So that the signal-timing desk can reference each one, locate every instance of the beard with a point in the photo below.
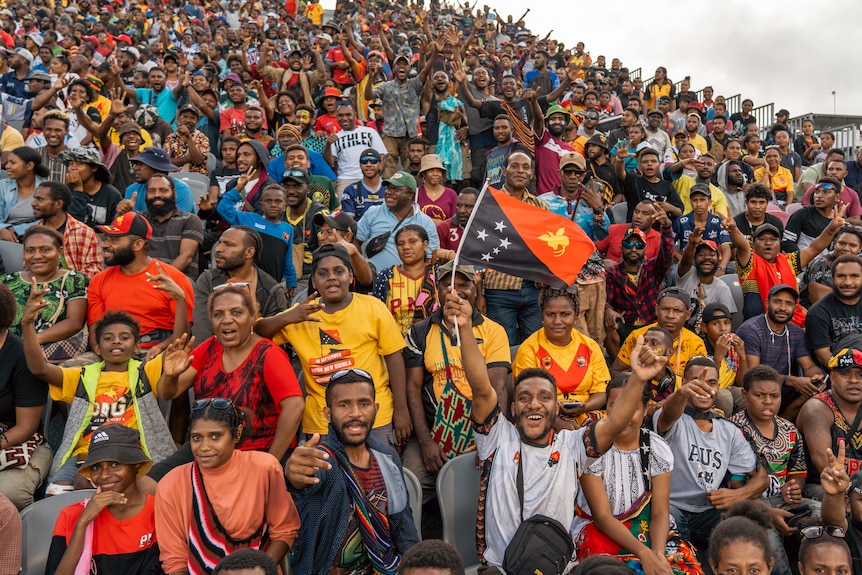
(339, 427)
(556, 130)
(162, 209)
(230, 264)
(122, 257)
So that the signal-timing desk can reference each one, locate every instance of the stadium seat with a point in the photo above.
(37, 522)
(619, 212)
(414, 490)
(732, 281)
(199, 184)
(458, 494)
(793, 208)
(212, 163)
(778, 213)
(12, 254)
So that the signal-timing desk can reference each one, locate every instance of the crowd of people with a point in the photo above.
(238, 312)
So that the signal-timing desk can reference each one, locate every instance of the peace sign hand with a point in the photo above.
(834, 478)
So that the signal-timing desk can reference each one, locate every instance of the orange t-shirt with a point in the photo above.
(154, 309)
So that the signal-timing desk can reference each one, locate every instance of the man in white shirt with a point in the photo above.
(346, 146)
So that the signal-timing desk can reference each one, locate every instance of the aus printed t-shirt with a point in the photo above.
(112, 400)
(579, 368)
(359, 336)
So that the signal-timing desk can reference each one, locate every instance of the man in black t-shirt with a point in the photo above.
(839, 313)
(757, 198)
(648, 185)
(809, 222)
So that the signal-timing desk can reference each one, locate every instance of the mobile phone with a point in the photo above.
(799, 513)
(573, 404)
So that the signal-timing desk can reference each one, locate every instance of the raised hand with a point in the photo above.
(35, 302)
(124, 205)
(305, 310)
(245, 178)
(646, 364)
(177, 357)
(118, 102)
(99, 501)
(696, 236)
(834, 478)
(305, 461)
(838, 221)
(457, 309)
(165, 283)
(205, 203)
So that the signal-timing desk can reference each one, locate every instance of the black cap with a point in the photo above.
(763, 228)
(296, 175)
(714, 311)
(783, 287)
(338, 220)
(116, 442)
(782, 112)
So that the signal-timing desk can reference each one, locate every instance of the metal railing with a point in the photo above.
(846, 138)
(636, 73)
(765, 116)
(733, 104)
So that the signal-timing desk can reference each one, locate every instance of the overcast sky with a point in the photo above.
(791, 52)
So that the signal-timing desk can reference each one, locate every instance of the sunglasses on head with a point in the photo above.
(216, 402)
(294, 173)
(825, 187)
(369, 161)
(231, 284)
(628, 244)
(351, 371)
(817, 531)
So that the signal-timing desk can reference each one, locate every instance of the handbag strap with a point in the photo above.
(60, 306)
(644, 447)
(520, 481)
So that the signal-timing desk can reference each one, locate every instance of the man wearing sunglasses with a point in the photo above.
(809, 222)
(836, 169)
(368, 191)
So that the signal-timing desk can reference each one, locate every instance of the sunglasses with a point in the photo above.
(369, 161)
(628, 245)
(817, 531)
(825, 187)
(591, 117)
(294, 173)
(570, 171)
(352, 371)
(217, 403)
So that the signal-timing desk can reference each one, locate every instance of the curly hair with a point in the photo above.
(247, 559)
(8, 307)
(432, 554)
(546, 294)
(233, 417)
(747, 521)
(114, 317)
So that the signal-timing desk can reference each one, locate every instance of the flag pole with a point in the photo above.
(458, 251)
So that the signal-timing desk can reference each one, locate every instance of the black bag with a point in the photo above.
(376, 244)
(540, 546)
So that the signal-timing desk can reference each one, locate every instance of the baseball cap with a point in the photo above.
(468, 272)
(37, 38)
(763, 228)
(39, 75)
(663, 99)
(401, 179)
(635, 232)
(232, 77)
(708, 243)
(325, 36)
(296, 175)
(369, 153)
(573, 159)
(675, 292)
(680, 133)
(189, 108)
(336, 250)
(128, 224)
(598, 139)
(338, 220)
(702, 189)
(847, 358)
(116, 442)
(654, 112)
(401, 57)
(24, 53)
(715, 310)
(783, 287)
(782, 112)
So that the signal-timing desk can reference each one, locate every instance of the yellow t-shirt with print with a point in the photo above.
(401, 297)
(314, 12)
(493, 343)
(111, 402)
(359, 336)
(699, 143)
(579, 368)
(685, 347)
(683, 187)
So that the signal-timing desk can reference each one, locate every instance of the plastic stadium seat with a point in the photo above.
(12, 254)
(458, 494)
(199, 184)
(37, 521)
(778, 213)
(793, 208)
(619, 212)
(732, 281)
(414, 491)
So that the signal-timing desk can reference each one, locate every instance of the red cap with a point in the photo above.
(708, 243)
(129, 224)
(635, 232)
(123, 38)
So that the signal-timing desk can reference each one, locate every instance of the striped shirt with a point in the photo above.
(58, 168)
(169, 234)
(498, 280)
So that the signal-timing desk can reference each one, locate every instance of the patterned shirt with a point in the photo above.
(637, 303)
(81, 249)
(400, 107)
(177, 147)
(783, 456)
(819, 271)
(497, 280)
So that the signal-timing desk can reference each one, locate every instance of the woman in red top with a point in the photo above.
(436, 200)
(237, 363)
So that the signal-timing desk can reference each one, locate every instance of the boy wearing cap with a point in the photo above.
(114, 530)
(833, 418)
(188, 147)
(707, 225)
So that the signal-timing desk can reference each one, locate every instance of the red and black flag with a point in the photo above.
(516, 238)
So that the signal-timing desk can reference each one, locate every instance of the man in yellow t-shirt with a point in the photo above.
(718, 201)
(342, 330)
(673, 310)
(692, 125)
(439, 396)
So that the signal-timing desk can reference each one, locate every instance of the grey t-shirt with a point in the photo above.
(701, 460)
(716, 292)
